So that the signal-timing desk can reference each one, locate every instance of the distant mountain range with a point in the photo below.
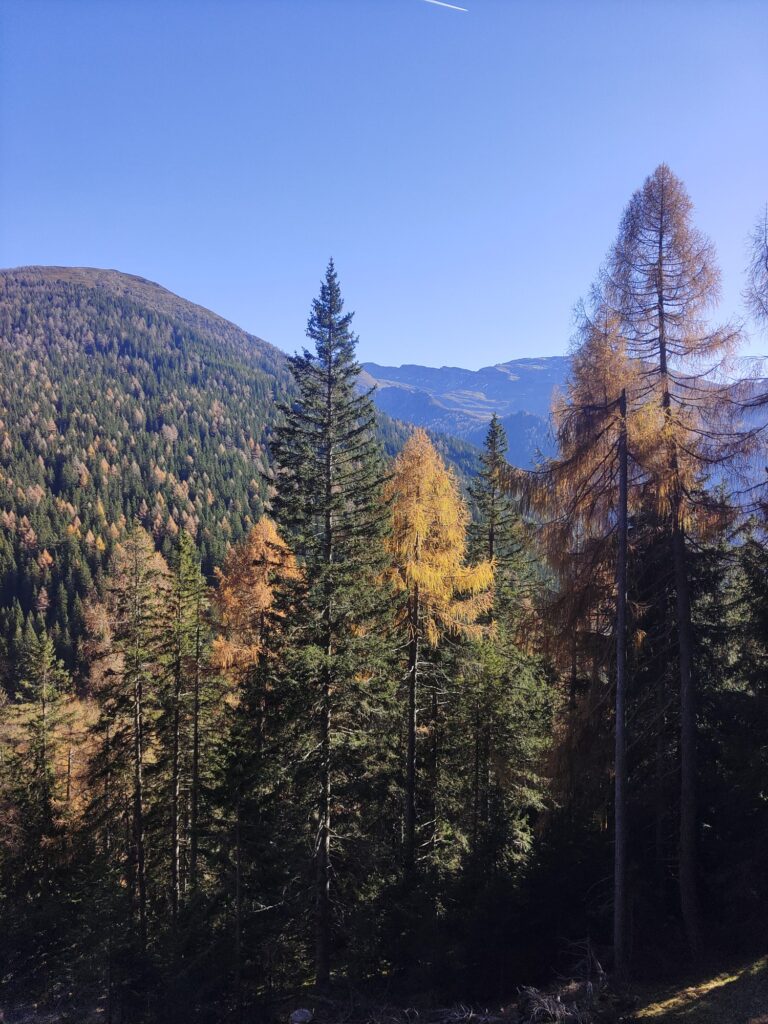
(460, 402)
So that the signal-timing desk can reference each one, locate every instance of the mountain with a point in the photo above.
(460, 402)
(119, 399)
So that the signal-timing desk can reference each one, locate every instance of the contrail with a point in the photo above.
(441, 3)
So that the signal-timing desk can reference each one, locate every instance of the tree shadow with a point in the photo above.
(733, 997)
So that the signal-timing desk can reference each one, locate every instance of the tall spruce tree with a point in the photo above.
(127, 649)
(43, 686)
(186, 686)
(329, 506)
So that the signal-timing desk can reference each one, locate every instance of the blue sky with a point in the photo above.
(467, 171)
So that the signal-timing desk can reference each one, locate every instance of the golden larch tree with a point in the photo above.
(245, 598)
(442, 594)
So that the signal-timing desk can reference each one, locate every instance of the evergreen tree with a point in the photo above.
(497, 533)
(127, 651)
(43, 685)
(186, 690)
(329, 507)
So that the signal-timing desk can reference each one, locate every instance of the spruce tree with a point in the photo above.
(330, 509)
(497, 533)
(127, 654)
(179, 726)
(43, 685)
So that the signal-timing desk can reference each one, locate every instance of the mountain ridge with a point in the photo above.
(460, 402)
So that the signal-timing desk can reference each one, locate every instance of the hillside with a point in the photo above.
(120, 399)
(460, 402)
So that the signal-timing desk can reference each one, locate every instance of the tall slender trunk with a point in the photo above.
(175, 804)
(620, 943)
(138, 755)
(476, 780)
(194, 795)
(69, 773)
(44, 753)
(409, 839)
(660, 809)
(322, 937)
(688, 813)
(434, 763)
(175, 759)
(138, 806)
(323, 850)
(238, 908)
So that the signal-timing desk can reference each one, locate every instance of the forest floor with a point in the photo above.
(738, 995)
(735, 996)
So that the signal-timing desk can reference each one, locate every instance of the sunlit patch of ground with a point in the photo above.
(734, 997)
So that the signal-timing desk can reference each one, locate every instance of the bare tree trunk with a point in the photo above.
(434, 763)
(194, 795)
(660, 810)
(175, 805)
(323, 843)
(688, 825)
(476, 780)
(238, 911)
(138, 806)
(688, 811)
(409, 840)
(323, 924)
(69, 772)
(620, 943)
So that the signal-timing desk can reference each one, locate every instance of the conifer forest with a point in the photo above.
(306, 713)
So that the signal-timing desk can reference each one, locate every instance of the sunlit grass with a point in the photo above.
(733, 997)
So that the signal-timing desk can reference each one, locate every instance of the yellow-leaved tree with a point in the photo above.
(253, 587)
(442, 594)
(245, 598)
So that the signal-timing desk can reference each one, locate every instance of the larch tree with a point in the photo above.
(661, 281)
(248, 611)
(581, 499)
(329, 507)
(255, 588)
(441, 592)
(756, 298)
(756, 291)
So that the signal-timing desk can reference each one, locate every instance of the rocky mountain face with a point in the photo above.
(460, 402)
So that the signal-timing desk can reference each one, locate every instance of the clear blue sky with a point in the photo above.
(466, 171)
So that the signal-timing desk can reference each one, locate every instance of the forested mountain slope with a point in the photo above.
(118, 399)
